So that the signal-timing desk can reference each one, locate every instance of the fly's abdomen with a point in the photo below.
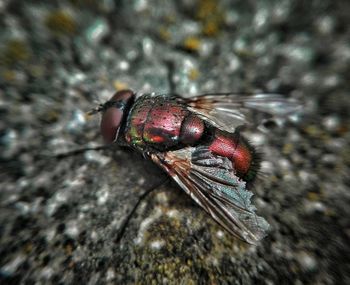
(237, 149)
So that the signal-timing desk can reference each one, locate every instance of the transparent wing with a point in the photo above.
(229, 110)
(211, 181)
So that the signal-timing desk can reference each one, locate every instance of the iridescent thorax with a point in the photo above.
(155, 122)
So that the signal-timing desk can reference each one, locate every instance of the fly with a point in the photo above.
(197, 142)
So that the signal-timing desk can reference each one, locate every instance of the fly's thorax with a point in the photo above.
(164, 122)
(192, 129)
(136, 120)
(155, 122)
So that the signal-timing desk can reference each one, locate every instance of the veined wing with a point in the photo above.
(211, 181)
(228, 110)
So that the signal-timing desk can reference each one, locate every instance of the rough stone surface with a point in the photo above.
(60, 217)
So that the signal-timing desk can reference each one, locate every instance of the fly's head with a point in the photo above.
(114, 112)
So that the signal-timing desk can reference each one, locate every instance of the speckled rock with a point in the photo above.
(71, 218)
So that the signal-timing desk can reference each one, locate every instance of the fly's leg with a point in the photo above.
(127, 219)
(78, 151)
(170, 76)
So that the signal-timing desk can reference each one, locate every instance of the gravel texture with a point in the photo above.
(63, 219)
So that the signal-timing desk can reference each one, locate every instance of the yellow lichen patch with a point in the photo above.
(164, 33)
(9, 75)
(273, 178)
(68, 249)
(330, 213)
(118, 85)
(343, 129)
(210, 28)
(89, 115)
(206, 8)
(51, 116)
(193, 74)
(14, 52)
(313, 131)
(170, 18)
(37, 70)
(211, 16)
(192, 43)
(61, 23)
(312, 196)
(287, 148)
(28, 248)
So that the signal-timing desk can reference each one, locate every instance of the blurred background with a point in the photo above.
(61, 216)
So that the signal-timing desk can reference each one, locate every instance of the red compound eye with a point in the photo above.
(110, 124)
(113, 114)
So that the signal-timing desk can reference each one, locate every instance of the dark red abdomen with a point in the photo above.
(236, 148)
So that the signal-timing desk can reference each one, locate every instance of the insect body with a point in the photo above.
(197, 143)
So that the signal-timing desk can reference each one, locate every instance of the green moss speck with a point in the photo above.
(60, 22)
(14, 52)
